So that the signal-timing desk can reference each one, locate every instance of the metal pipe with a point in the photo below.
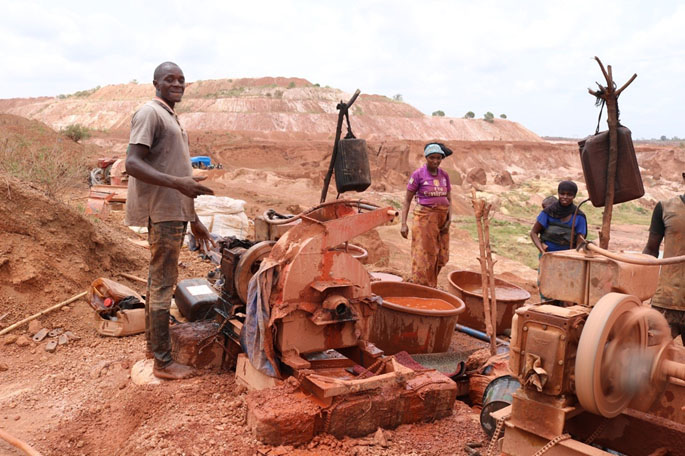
(626, 259)
(20, 444)
(356, 203)
(478, 334)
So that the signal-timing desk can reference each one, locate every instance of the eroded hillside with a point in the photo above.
(264, 108)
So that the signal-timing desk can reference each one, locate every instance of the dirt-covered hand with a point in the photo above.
(202, 235)
(189, 186)
(404, 231)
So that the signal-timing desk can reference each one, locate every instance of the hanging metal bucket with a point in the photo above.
(496, 396)
(352, 172)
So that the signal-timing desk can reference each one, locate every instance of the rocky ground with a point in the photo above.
(80, 399)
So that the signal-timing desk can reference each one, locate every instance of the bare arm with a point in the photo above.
(404, 230)
(137, 167)
(656, 231)
(446, 226)
(535, 237)
(653, 243)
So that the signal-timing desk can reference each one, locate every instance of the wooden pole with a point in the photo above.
(132, 277)
(610, 95)
(342, 107)
(491, 275)
(43, 312)
(481, 210)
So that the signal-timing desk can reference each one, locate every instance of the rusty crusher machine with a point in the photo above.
(603, 373)
(317, 311)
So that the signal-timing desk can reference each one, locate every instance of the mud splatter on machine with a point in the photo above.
(602, 373)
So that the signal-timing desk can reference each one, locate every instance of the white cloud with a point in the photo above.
(531, 59)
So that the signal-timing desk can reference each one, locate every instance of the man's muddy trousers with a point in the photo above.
(165, 239)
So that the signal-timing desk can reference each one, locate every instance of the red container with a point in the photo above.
(468, 286)
(397, 328)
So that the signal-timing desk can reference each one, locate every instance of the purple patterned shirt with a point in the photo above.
(430, 190)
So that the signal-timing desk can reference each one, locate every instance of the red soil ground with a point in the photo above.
(80, 400)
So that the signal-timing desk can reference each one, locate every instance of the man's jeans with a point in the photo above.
(676, 320)
(165, 239)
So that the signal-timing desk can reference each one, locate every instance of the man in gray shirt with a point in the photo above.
(160, 196)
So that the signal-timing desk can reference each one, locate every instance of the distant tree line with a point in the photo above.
(488, 116)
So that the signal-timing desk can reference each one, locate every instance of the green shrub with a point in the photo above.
(45, 167)
(469, 115)
(502, 116)
(489, 117)
(234, 92)
(85, 93)
(438, 113)
(76, 132)
(291, 85)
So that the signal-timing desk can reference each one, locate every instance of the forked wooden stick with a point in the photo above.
(610, 95)
(481, 210)
(491, 275)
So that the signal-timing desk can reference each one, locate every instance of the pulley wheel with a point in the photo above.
(248, 265)
(614, 330)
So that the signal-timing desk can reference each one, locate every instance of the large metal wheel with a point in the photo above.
(614, 332)
(248, 265)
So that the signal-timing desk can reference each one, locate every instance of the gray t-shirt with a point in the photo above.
(155, 125)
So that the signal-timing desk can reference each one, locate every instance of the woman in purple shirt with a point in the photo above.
(430, 229)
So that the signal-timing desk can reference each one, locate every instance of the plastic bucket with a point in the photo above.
(496, 396)
(397, 327)
(467, 285)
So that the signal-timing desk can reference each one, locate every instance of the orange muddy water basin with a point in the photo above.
(468, 286)
(413, 318)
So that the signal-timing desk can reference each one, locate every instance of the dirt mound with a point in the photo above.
(33, 134)
(50, 251)
(267, 107)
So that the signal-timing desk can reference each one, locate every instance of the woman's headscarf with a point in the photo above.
(436, 148)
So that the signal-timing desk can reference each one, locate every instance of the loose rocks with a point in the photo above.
(23, 341)
(10, 339)
(35, 326)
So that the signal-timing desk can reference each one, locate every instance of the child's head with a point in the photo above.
(548, 201)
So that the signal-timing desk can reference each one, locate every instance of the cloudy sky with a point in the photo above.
(531, 60)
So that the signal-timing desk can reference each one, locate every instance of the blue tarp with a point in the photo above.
(202, 160)
(254, 333)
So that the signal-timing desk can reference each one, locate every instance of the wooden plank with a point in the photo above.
(119, 192)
